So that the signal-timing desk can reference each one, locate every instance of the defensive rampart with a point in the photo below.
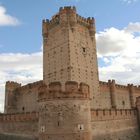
(72, 90)
(24, 98)
(24, 125)
(115, 125)
(118, 96)
(20, 99)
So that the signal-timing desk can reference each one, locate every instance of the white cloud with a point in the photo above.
(112, 41)
(23, 68)
(120, 51)
(129, 1)
(133, 27)
(6, 19)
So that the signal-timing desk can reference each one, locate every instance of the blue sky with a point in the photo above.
(117, 37)
(27, 36)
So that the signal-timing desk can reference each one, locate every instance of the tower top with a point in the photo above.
(67, 15)
(72, 8)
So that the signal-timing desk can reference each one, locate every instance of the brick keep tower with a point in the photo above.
(69, 51)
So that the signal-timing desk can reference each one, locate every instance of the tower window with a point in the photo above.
(84, 50)
(23, 108)
(80, 127)
(123, 103)
(58, 123)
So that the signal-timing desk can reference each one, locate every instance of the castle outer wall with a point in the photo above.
(119, 121)
(115, 125)
(24, 98)
(106, 125)
(118, 96)
(21, 99)
(19, 126)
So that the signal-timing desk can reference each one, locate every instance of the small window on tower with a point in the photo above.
(80, 127)
(84, 50)
(123, 103)
(23, 108)
(58, 123)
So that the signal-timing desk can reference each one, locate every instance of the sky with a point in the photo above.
(117, 38)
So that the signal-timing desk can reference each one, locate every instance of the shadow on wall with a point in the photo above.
(16, 137)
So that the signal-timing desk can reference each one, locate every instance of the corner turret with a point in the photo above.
(113, 93)
(64, 114)
(10, 99)
(131, 94)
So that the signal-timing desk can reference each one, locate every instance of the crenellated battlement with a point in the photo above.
(19, 117)
(72, 90)
(31, 85)
(118, 86)
(133, 87)
(68, 15)
(121, 86)
(103, 83)
(113, 114)
(71, 8)
(12, 84)
(110, 82)
(85, 21)
(137, 87)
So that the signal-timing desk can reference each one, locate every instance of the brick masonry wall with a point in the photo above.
(27, 96)
(115, 125)
(19, 124)
(24, 98)
(118, 96)
(106, 125)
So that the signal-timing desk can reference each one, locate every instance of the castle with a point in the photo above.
(70, 102)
